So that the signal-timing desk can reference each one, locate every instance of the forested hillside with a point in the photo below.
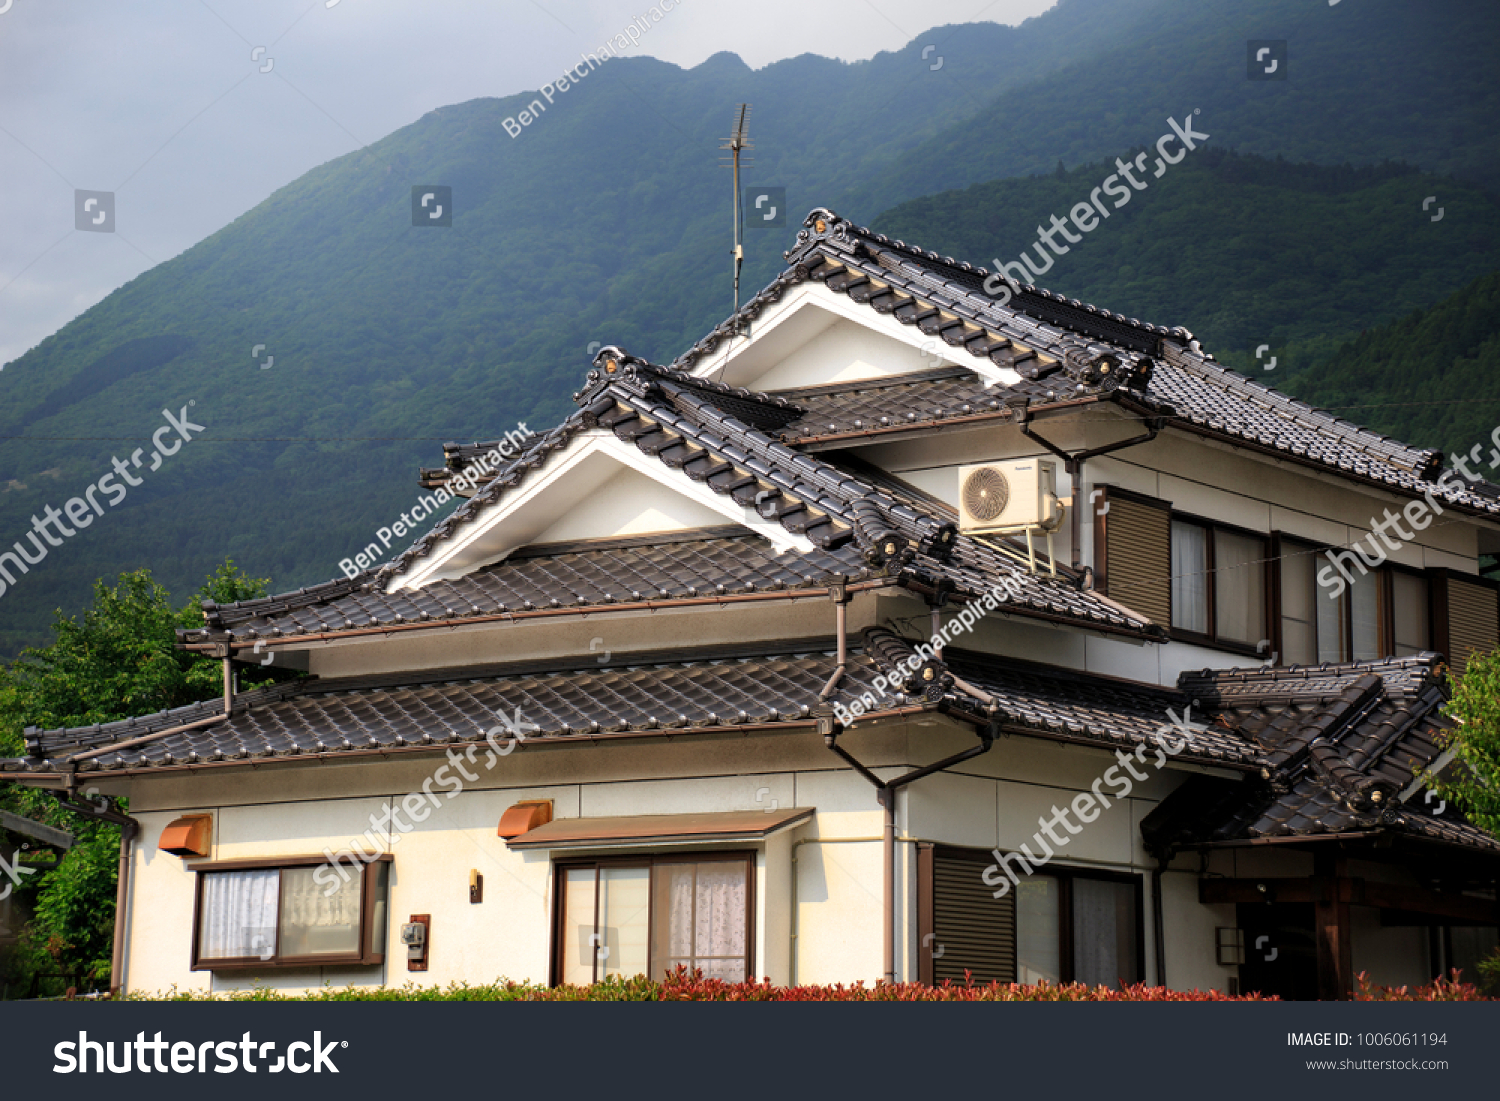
(1432, 376)
(1248, 252)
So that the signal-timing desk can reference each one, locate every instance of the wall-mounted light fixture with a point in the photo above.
(1230, 945)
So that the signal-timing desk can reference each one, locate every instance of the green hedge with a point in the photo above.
(685, 987)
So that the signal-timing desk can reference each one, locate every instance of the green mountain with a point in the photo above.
(1432, 376)
(1362, 83)
(605, 220)
(1243, 251)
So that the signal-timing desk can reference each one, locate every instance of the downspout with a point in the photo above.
(130, 829)
(840, 597)
(1073, 465)
(1158, 919)
(885, 794)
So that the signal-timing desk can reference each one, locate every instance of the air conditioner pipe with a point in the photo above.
(1073, 465)
(885, 795)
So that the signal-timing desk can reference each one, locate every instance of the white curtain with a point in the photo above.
(1364, 609)
(239, 914)
(315, 921)
(1240, 577)
(624, 920)
(700, 918)
(1038, 927)
(1189, 577)
(1331, 611)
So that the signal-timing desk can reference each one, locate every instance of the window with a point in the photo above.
(1385, 612)
(1064, 925)
(1077, 928)
(289, 912)
(1218, 583)
(647, 916)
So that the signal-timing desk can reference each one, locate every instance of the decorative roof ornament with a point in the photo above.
(821, 224)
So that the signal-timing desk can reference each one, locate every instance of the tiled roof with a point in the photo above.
(1065, 350)
(565, 700)
(634, 694)
(944, 394)
(692, 427)
(1046, 700)
(1335, 745)
(1340, 744)
(722, 561)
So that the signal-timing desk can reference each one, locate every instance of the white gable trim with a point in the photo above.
(932, 352)
(489, 526)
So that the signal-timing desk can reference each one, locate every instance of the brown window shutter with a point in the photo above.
(1136, 563)
(970, 929)
(1468, 619)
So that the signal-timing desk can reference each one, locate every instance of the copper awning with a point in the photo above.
(657, 829)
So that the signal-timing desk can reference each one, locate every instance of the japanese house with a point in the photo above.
(661, 691)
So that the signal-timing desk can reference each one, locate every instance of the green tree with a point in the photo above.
(117, 660)
(1475, 786)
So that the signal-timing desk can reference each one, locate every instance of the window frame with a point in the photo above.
(1383, 576)
(1270, 612)
(1065, 874)
(368, 955)
(561, 867)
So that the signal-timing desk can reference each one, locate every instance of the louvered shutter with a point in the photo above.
(970, 928)
(1136, 538)
(1473, 621)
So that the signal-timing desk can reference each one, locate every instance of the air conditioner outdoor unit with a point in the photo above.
(1013, 496)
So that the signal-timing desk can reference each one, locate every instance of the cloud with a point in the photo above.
(165, 103)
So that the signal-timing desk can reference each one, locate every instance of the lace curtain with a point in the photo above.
(700, 918)
(239, 914)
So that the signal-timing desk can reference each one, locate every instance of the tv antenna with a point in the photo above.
(736, 143)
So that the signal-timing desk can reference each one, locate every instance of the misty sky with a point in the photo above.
(164, 103)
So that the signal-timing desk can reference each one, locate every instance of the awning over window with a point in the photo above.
(654, 829)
